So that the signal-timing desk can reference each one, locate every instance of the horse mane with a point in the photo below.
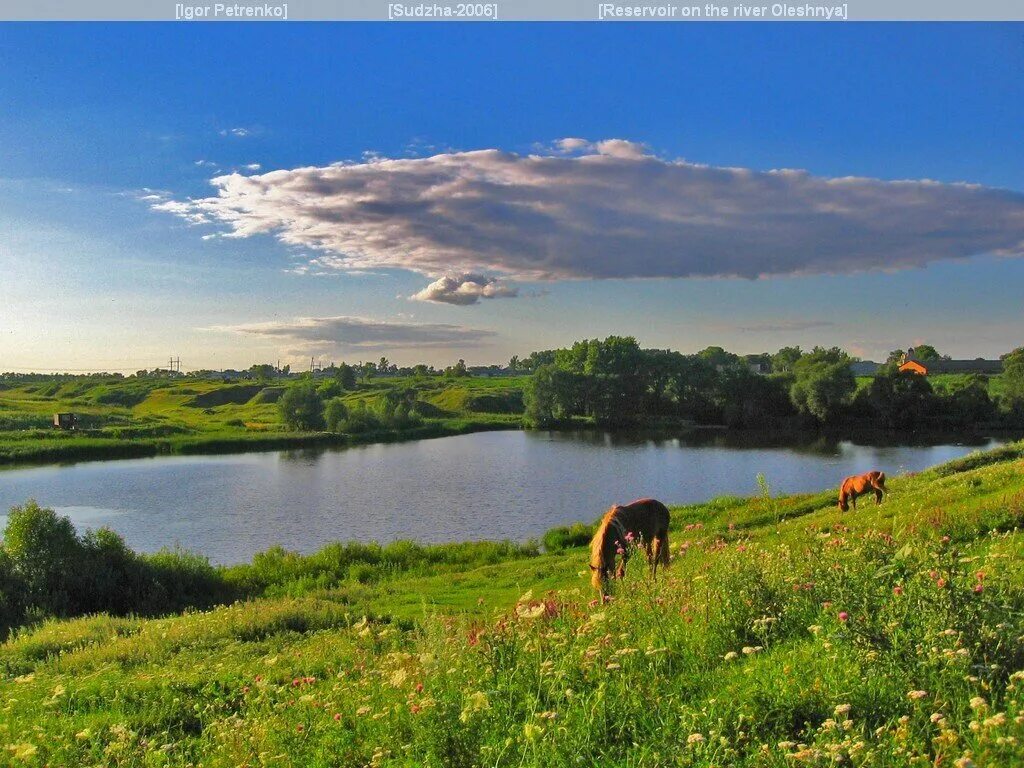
(597, 547)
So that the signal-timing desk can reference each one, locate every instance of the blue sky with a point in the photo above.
(110, 133)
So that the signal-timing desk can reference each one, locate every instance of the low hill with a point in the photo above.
(785, 633)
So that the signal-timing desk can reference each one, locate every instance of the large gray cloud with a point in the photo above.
(353, 334)
(605, 210)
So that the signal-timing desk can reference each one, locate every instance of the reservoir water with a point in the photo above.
(489, 485)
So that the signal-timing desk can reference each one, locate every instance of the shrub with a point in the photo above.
(335, 414)
(301, 407)
(45, 554)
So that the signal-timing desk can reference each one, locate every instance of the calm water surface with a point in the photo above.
(491, 485)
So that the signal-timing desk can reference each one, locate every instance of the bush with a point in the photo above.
(361, 419)
(47, 569)
(45, 556)
(301, 407)
(335, 414)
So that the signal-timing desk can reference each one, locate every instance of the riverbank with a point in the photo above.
(86, 448)
(784, 632)
(131, 418)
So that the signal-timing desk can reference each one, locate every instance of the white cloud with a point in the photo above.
(353, 334)
(609, 210)
(238, 132)
(252, 167)
(463, 290)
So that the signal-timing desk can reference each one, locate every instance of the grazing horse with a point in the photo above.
(644, 522)
(858, 485)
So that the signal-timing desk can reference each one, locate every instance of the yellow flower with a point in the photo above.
(915, 695)
(695, 738)
(842, 709)
(532, 731)
(979, 703)
(475, 702)
(23, 751)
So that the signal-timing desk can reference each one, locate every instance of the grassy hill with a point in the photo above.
(145, 417)
(785, 633)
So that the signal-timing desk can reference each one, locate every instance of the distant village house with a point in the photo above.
(933, 367)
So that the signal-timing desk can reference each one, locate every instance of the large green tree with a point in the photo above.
(301, 407)
(823, 383)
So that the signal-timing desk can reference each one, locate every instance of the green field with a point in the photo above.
(784, 633)
(145, 417)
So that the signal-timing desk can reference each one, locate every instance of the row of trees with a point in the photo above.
(308, 407)
(615, 382)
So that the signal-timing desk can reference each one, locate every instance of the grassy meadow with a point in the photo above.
(146, 417)
(785, 633)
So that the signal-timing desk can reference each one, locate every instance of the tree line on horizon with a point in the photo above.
(615, 382)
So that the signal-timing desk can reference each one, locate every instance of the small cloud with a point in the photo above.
(572, 145)
(345, 333)
(463, 290)
(252, 167)
(238, 132)
(205, 164)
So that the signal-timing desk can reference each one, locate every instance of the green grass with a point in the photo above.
(147, 417)
(785, 633)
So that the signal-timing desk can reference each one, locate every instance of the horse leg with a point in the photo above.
(660, 555)
(878, 495)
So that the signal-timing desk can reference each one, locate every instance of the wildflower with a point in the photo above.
(897, 590)
(530, 611)
(844, 616)
(629, 536)
(362, 711)
(915, 695)
(842, 709)
(620, 551)
(532, 731)
(731, 655)
(940, 583)
(475, 702)
(814, 629)
(23, 751)
(695, 738)
(337, 717)
(979, 588)
(937, 717)
(300, 728)
(979, 703)
(964, 762)
(613, 665)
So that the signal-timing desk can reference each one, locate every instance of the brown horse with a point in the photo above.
(643, 522)
(858, 485)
